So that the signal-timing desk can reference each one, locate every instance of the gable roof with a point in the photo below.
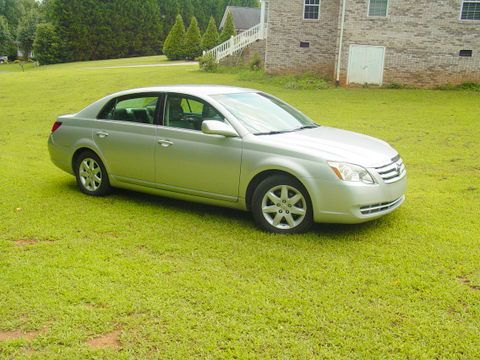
(243, 17)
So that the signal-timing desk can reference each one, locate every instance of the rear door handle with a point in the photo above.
(102, 134)
(165, 143)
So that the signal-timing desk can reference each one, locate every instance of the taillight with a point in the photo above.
(56, 125)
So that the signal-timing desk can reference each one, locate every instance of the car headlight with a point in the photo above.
(351, 173)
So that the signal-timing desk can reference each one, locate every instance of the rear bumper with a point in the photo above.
(60, 155)
(352, 203)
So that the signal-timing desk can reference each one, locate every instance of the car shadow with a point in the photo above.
(330, 231)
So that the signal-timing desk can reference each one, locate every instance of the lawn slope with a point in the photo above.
(134, 276)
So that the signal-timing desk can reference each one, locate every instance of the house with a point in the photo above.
(415, 42)
(244, 18)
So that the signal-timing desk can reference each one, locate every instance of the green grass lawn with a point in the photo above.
(12, 67)
(134, 276)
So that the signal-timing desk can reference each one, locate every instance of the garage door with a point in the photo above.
(365, 64)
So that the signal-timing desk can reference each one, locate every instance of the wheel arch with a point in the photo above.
(82, 148)
(258, 178)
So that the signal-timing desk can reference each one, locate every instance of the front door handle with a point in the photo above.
(102, 134)
(165, 143)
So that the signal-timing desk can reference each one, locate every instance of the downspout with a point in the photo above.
(340, 46)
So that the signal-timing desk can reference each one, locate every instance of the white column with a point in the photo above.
(262, 19)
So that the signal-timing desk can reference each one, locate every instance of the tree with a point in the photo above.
(173, 47)
(26, 32)
(211, 37)
(46, 45)
(193, 40)
(12, 11)
(94, 30)
(228, 29)
(7, 46)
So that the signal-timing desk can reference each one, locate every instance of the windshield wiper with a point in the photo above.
(274, 132)
(313, 126)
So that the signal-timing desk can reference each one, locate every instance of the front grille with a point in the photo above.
(376, 208)
(392, 172)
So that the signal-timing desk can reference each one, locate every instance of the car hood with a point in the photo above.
(337, 145)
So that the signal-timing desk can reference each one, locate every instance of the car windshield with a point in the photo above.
(262, 114)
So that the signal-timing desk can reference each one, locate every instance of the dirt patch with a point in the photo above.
(18, 335)
(468, 283)
(31, 241)
(106, 341)
(26, 242)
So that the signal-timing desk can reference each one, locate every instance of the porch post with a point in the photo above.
(262, 19)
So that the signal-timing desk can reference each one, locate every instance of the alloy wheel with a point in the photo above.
(284, 207)
(90, 174)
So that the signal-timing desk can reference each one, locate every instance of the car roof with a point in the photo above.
(195, 90)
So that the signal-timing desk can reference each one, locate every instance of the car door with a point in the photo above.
(190, 161)
(125, 134)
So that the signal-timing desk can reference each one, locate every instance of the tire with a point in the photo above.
(281, 204)
(93, 182)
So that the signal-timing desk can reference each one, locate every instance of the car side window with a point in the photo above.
(140, 109)
(188, 112)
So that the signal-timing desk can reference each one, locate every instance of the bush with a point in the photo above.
(468, 86)
(394, 85)
(207, 63)
(471, 86)
(255, 62)
(193, 39)
(174, 46)
(46, 44)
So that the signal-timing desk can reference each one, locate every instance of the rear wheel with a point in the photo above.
(281, 204)
(92, 177)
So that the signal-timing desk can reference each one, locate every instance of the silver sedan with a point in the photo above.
(231, 147)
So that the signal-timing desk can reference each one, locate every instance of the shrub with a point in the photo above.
(174, 46)
(228, 29)
(255, 62)
(211, 37)
(207, 63)
(46, 45)
(394, 85)
(471, 86)
(193, 39)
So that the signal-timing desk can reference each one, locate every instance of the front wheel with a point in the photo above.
(92, 177)
(281, 204)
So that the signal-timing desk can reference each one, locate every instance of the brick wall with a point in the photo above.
(422, 39)
(286, 29)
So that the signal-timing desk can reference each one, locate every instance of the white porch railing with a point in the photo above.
(239, 42)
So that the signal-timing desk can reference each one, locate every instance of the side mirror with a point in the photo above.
(215, 127)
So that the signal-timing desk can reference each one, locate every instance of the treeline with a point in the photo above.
(78, 30)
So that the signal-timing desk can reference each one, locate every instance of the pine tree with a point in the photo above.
(173, 47)
(211, 37)
(228, 29)
(193, 39)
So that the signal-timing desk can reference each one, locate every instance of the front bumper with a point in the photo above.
(351, 203)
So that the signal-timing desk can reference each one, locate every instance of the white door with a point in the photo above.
(365, 64)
